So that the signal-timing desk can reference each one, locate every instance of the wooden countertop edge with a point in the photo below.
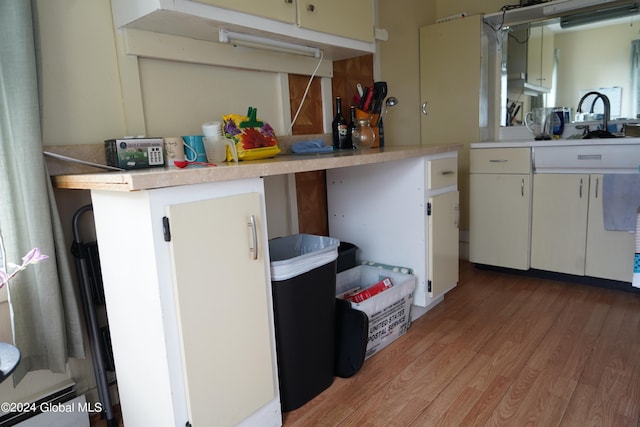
(281, 164)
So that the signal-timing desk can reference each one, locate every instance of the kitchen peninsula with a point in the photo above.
(186, 271)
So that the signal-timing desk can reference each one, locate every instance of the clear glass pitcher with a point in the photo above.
(539, 121)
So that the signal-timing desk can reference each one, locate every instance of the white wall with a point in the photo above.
(599, 57)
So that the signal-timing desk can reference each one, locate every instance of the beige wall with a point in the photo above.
(80, 88)
(599, 57)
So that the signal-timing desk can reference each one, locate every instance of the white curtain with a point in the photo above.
(45, 317)
(635, 78)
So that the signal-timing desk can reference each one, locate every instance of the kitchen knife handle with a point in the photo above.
(364, 97)
(367, 101)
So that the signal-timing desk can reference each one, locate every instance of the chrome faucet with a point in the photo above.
(604, 132)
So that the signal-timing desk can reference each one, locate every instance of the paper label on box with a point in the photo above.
(387, 324)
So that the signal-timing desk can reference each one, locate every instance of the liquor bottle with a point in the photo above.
(339, 127)
(352, 125)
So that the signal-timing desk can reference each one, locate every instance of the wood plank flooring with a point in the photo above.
(501, 350)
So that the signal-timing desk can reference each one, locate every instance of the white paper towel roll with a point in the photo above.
(212, 129)
(636, 260)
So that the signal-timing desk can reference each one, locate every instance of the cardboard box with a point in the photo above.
(388, 311)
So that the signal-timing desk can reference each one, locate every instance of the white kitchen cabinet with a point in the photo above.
(218, 268)
(281, 10)
(530, 58)
(568, 229)
(187, 289)
(559, 222)
(451, 50)
(444, 253)
(540, 57)
(384, 210)
(500, 207)
(353, 19)
(327, 16)
(328, 25)
(609, 253)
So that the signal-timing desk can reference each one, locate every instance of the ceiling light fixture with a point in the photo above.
(256, 42)
(598, 15)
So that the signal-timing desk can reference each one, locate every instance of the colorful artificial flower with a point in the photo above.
(34, 256)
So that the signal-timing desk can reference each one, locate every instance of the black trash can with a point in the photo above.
(303, 274)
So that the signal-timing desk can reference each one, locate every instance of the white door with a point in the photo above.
(609, 253)
(452, 50)
(443, 243)
(499, 220)
(223, 307)
(559, 222)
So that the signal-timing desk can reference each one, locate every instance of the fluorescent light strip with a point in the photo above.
(247, 40)
(561, 6)
(597, 16)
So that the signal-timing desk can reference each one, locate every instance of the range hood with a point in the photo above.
(549, 10)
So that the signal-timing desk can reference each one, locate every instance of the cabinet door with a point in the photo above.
(223, 307)
(559, 223)
(451, 50)
(443, 243)
(352, 19)
(540, 57)
(609, 253)
(281, 10)
(499, 221)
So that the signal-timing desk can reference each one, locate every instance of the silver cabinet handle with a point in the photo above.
(580, 192)
(447, 173)
(498, 161)
(424, 108)
(254, 237)
(597, 184)
(288, 1)
(522, 187)
(589, 156)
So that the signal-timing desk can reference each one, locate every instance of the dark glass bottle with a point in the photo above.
(339, 127)
(352, 125)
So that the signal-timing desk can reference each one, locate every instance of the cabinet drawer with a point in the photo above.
(501, 160)
(442, 173)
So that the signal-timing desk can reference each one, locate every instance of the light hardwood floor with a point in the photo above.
(503, 350)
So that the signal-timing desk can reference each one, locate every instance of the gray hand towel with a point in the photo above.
(620, 201)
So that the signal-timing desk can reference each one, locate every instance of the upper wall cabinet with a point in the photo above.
(328, 25)
(530, 59)
(281, 10)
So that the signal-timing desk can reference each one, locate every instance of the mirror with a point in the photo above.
(553, 64)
